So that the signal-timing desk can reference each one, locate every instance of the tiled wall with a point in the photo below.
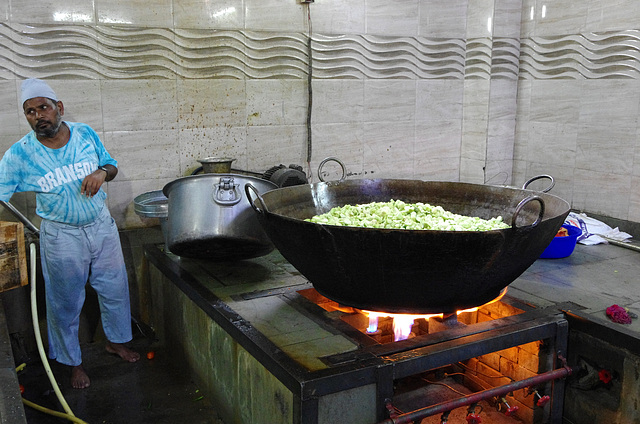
(413, 89)
(166, 83)
(578, 102)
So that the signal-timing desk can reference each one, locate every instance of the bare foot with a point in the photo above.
(122, 351)
(79, 378)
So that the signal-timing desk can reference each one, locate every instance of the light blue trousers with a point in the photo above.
(70, 256)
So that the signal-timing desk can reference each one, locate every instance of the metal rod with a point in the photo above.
(624, 244)
(419, 414)
(20, 216)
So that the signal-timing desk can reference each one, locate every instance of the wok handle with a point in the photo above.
(324, 161)
(539, 177)
(248, 187)
(521, 205)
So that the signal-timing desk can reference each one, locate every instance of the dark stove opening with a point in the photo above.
(444, 385)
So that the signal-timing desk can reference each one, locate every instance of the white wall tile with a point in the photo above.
(10, 109)
(338, 101)
(555, 101)
(474, 139)
(81, 100)
(528, 16)
(634, 200)
(386, 146)
(479, 22)
(472, 170)
(389, 100)
(221, 141)
(507, 18)
(438, 139)
(338, 17)
(437, 169)
(343, 141)
(559, 17)
(206, 14)
(272, 145)
(211, 103)
(552, 143)
(636, 155)
(437, 150)
(500, 140)
(142, 13)
(607, 149)
(274, 15)
(443, 18)
(276, 102)
(502, 100)
(439, 100)
(601, 193)
(53, 12)
(139, 105)
(605, 101)
(144, 155)
(392, 18)
(612, 15)
(475, 95)
(499, 172)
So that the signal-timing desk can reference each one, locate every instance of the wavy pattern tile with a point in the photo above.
(387, 57)
(584, 56)
(75, 51)
(505, 58)
(115, 52)
(478, 59)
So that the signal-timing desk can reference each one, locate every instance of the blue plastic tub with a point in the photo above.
(561, 247)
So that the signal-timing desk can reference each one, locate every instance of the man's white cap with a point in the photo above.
(35, 87)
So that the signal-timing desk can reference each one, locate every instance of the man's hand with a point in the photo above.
(92, 183)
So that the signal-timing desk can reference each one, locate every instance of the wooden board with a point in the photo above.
(13, 260)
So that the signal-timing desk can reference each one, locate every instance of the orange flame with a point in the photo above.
(402, 322)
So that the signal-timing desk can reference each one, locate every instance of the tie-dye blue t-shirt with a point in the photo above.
(55, 175)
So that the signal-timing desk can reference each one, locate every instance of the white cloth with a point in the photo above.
(35, 87)
(592, 229)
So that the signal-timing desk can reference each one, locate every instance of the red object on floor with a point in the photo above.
(604, 376)
(618, 314)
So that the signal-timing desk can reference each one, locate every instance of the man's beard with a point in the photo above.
(49, 131)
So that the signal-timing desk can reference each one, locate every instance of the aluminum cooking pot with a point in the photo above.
(209, 217)
(410, 271)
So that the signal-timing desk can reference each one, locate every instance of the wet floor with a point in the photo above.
(149, 391)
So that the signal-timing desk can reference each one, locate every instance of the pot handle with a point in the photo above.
(249, 187)
(521, 205)
(324, 161)
(539, 177)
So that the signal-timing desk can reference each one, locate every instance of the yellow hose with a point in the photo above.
(34, 315)
(52, 412)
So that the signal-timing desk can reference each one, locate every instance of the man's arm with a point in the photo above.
(92, 182)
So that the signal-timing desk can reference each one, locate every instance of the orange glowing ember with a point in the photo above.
(402, 322)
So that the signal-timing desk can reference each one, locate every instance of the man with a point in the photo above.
(65, 163)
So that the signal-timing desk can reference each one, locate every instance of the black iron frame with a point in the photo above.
(375, 363)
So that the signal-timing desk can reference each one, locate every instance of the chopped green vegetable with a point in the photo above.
(397, 214)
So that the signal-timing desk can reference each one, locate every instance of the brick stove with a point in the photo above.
(267, 348)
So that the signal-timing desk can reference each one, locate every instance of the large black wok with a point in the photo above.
(409, 271)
